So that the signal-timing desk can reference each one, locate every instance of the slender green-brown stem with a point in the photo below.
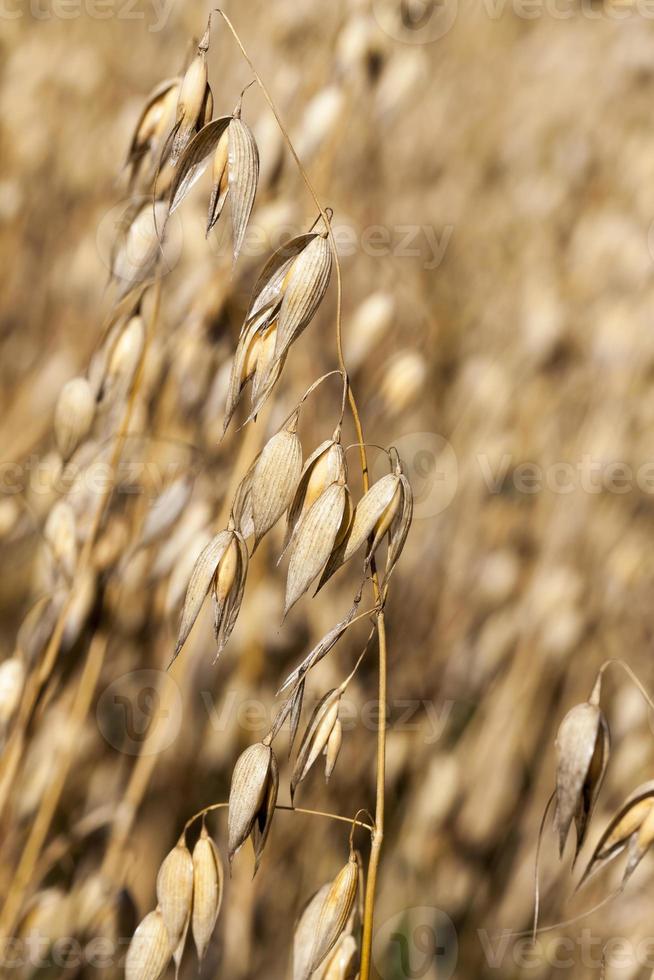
(378, 836)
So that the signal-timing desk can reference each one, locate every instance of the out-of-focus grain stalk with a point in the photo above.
(147, 759)
(61, 766)
(39, 677)
(378, 834)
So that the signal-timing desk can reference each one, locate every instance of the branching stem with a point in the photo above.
(378, 836)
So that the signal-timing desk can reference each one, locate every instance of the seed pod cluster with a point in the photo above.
(235, 172)
(189, 892)
(285, 298)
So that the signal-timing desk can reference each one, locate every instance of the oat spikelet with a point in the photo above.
(192, 98)
(207, 891)
(313, 542)
(399, 527)
(253, 361)
(305, 932)
(375, 511)
(252, 798)
(275, 478)
(138, 248)
(325, 465)
(334, 913)
(291, 286)
(60, 533)
(149, 951)
(343, 961)
(73, 415)
(304, 288)
(243, 178)
(202, 576)
(154, 124)
(316, 736)
(12, 680)
(333, 748)
(175, 891)
(165, 510)
(633, 827)
(228, 589)
(193, 162)
(221, 567)
(582, 747)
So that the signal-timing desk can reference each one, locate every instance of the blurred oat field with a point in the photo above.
(490, 171)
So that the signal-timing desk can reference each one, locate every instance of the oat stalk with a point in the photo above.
(378, 832)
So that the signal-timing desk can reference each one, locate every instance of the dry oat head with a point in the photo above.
(334, 914)
(582, 748)
(149, 951)
(254, 786)
(207, 891)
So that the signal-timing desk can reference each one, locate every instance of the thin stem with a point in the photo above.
(349, 677)
(378, 836)
(632, 676)
(290, 809)
(541, 830)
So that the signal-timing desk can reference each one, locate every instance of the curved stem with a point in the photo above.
(289, 809)
(378, 835)
(632, 676)
(541, 830)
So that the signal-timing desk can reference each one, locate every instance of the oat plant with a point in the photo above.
(175, 144)
(583, 748)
